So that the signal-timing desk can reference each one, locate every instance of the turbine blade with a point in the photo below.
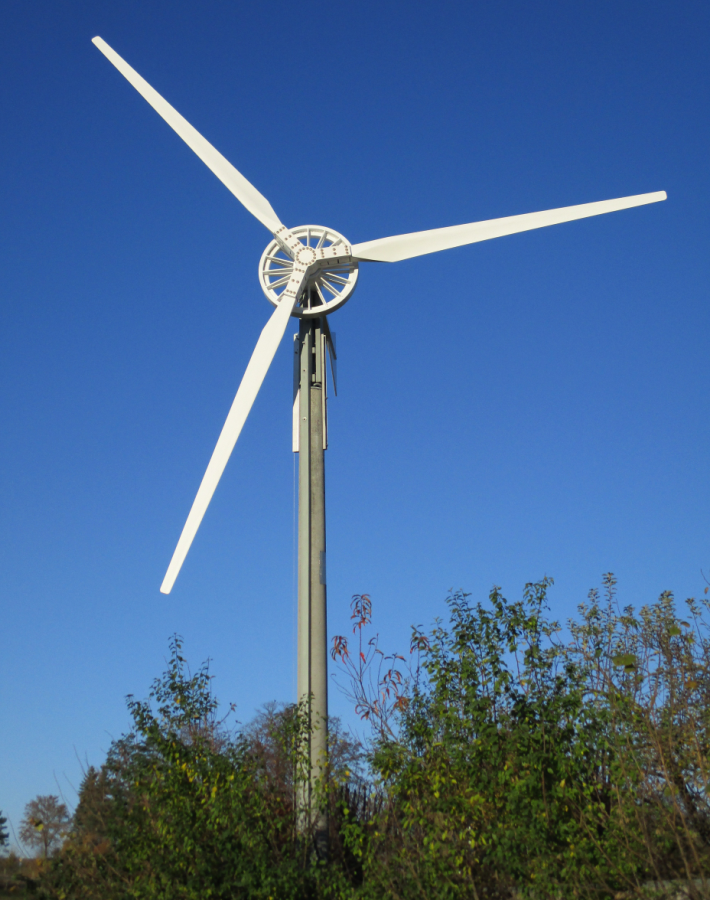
(405, 246)
(259, 363)
(243, 190)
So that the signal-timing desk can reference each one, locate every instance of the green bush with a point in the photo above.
(183, 808)
(526, 766)
(505, 760)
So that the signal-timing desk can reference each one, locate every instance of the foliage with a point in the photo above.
(20, 876)
(44, 824)
(522, 765)
(376, 682)
(649, 673)
(264, 735)
(505, 760)
(185, 808)
(475, 779)
(4, 835)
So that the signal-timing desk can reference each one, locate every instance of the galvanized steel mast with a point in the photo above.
(310, 440)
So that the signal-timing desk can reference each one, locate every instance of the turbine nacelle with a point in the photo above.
(322, 255)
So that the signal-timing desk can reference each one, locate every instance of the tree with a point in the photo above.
(186, 807)
(4, 836)
(512, 764)
(270, 736)
(45, 824)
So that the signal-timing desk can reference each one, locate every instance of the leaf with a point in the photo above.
(627, 660)
(673, 630)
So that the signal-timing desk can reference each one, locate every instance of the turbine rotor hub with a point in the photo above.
(325, 254)
(306, 256)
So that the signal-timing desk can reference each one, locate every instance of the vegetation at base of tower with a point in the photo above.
(525, 765)
(186, 806)
(506, 758)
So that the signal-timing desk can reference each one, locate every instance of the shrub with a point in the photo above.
(512, 763)
(184, 808)
(505, 760)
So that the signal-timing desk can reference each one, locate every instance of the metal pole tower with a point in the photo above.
(310, 440)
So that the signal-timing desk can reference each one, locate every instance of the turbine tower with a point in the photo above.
(308, 272)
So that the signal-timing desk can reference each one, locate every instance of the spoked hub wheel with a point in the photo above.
(327, 288)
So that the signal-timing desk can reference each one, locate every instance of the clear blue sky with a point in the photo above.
(533, 405)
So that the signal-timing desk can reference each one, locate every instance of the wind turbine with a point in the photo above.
(308, 272)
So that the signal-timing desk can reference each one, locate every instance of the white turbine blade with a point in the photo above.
(245, 192)
(405, 246)
(256, 371)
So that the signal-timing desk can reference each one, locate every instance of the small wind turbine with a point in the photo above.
(309, 272)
